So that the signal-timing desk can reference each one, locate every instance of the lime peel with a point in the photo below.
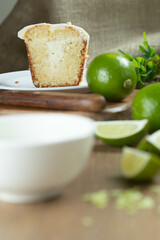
(146, 104)
(107, 73)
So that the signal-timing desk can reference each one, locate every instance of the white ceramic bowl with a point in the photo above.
(39, 153)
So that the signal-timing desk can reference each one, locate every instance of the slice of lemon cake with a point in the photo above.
(57, 53)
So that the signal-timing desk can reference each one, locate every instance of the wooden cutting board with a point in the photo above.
(61, 101)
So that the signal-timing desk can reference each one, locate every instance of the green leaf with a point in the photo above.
(151, 64)
(127, 55)
(141, 60)
(142, 49)
(135, 63)
(143, 68)
(157, 57)
(152, 52)
(145, 44)
(144, 36)
(147, 66)
(146, 74)
(121, 51)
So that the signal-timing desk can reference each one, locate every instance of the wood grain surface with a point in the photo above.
(54, 100)
(85, 104)
(61, 219)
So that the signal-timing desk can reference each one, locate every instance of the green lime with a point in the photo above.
(120, 133)
(146, 105)
(151, 143)
(111, 75)
(139, 165)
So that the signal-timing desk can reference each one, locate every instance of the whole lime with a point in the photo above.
(146, 105)
(111, 75)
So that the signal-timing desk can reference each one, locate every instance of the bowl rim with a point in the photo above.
(13, 143)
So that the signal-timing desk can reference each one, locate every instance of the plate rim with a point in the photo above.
(68, 88)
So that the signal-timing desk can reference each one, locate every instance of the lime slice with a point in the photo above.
(120, 133)
(139, 165)
(151, 143)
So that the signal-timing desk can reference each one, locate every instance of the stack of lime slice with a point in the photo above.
(120, 133)
(144, 162)
(137, 164)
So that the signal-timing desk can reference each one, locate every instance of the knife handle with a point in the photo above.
(55, 101)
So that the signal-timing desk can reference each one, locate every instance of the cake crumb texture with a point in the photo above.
(56, 56)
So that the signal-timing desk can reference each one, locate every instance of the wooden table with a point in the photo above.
(61, 219)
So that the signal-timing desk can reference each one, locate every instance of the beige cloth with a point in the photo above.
(112, 24)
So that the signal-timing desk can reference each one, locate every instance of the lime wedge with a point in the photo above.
(139, 165)
(151, 143)
(120, 133)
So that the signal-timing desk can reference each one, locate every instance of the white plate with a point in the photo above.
(22, 81)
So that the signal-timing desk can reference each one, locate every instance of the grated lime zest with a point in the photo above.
(146, 203)
(130, 200)
(99, 199)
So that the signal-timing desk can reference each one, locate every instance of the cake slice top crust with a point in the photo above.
(25, 32)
